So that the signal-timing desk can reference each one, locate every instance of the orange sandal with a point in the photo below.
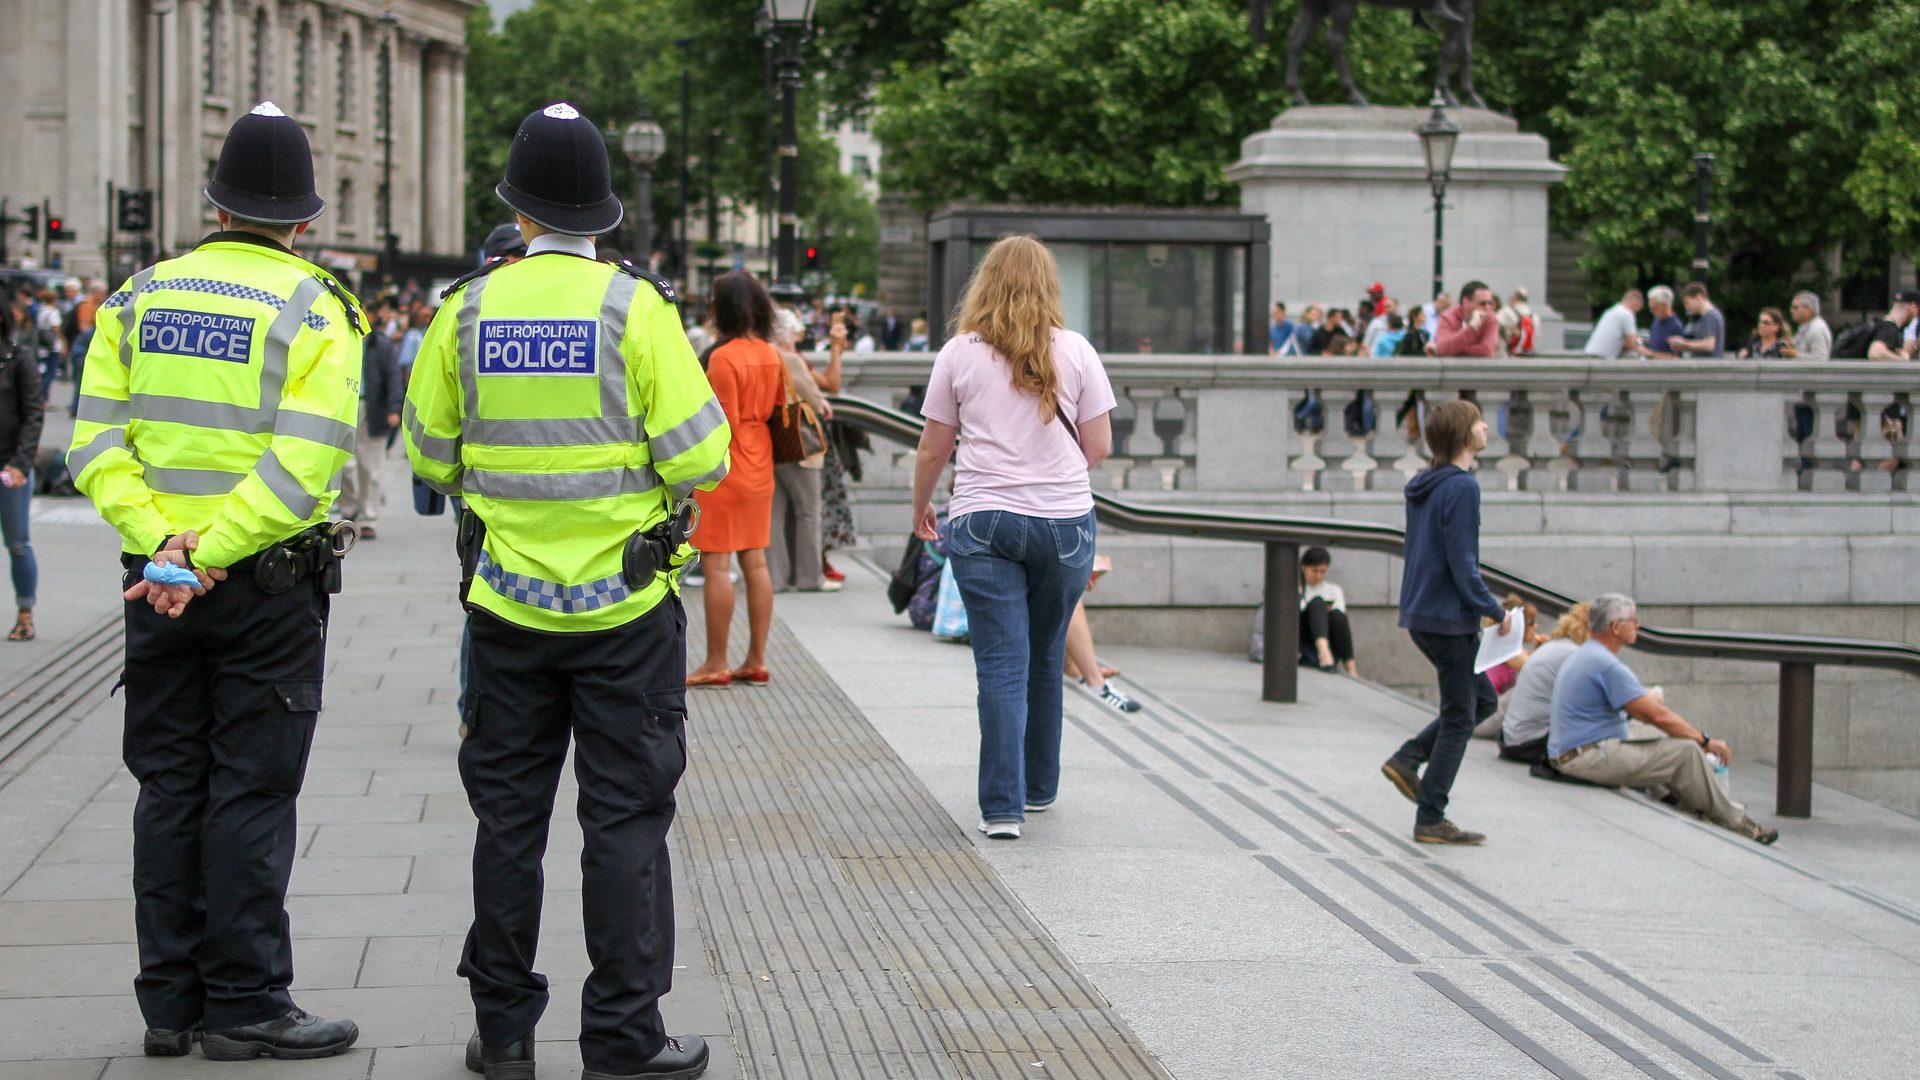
(716, 680)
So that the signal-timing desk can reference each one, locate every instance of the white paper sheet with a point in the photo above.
(1497, 649)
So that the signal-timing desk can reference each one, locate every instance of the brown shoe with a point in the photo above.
(1404, 776)
(1446, 832)
(1758, 833)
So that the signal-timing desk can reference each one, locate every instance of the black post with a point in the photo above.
(1439, 236)
(1280, 667)
(642, 215)
(389, 244)
(682, 263)
(113, 211)
(1793, 773)
(713, 199)
(1703, 188)
(786, 278)
(160, 137)
(6, 226)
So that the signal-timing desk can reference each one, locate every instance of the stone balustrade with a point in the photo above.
(1558, 424)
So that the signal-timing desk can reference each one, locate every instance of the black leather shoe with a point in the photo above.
(165, 1042)
(683, 1058)
(299, 1034)
(513, 1061)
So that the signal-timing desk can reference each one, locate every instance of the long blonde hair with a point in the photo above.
(1013, 304)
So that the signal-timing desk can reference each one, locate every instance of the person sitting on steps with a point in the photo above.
(1326, 638)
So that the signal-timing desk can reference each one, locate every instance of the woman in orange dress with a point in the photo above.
(737, 516)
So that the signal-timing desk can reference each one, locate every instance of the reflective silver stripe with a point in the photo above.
(451, 488)
(78, 460)
(280, 335)
(571, 431)
(129, 333)
(214, 415)
(444, 451)
(548, 487)
(613, 326)
(551, 595)
(466, 336)
(99, 410)
(191, 481)
(690, 432)
(285, 486)
(324, 430)
(684, 488)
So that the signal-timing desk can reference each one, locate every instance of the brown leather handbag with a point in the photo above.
(795, 430)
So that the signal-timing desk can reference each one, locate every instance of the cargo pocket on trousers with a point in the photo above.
(286, 736)
(665, 740)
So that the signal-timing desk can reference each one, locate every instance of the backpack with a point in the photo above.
(1852, 342)
(1523, 337)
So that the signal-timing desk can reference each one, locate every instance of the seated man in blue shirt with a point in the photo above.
(1592, 699)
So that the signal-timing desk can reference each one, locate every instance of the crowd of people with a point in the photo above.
(1380, 326)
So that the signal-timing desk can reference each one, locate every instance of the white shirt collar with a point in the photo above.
(561, 242)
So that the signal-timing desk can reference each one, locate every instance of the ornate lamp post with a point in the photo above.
(643, 140)
(389, 243)
(160, 9)
(1438, 137)
(788, 25)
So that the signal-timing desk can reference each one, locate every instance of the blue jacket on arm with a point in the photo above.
(1440, 589)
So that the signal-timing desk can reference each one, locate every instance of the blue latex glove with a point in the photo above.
(169, 574)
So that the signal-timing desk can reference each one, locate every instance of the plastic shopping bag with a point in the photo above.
(949, 614)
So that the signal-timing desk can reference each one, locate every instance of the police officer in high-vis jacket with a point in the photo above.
(218, 407)
(559, 397)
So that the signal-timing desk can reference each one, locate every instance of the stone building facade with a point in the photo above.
(140, 94)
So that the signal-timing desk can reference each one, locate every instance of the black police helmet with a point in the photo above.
(265, 171)
(503, 240)
(557, 173)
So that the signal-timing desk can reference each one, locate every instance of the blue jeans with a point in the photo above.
(1020, 578)
(14, 505)
(1466, 698)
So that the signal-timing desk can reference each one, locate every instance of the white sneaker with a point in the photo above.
(830, 585)
(1039, 808)
(1114, 699)
(1001, 830)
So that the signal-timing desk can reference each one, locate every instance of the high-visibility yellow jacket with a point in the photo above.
(559, 396)
(221, 394)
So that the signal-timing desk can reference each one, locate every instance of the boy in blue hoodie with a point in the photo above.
(1442, 601)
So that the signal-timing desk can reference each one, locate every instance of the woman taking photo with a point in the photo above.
(1770, 340)
(1029, 400)
(736, 516)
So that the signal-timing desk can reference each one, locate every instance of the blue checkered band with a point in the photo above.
(218, 288)
(565, 599)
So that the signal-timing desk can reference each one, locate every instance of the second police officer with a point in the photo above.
(559, 397)
(218, 406)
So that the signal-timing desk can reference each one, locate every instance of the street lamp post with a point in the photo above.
(789, 22)
(682, 265)
(644, 141)
(160, 9)
(1703, 188)
(389, 243)
(1438, 137)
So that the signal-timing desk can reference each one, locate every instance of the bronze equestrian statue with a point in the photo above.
(1453, 18)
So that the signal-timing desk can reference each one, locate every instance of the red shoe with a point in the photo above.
(716, 680)
(827, 571)
(751, 676)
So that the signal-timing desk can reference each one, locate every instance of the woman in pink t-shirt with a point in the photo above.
(1027, 402)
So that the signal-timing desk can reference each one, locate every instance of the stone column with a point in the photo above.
(457, 150)
(1737, 439)
(441, 176)
(1244, 439)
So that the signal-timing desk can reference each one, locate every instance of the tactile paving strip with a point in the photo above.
(854, 930)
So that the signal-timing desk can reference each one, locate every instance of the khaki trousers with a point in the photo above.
(360, 480)
(1678, 764)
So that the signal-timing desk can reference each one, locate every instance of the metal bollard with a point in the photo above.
(1280, 669)
(1793, 795)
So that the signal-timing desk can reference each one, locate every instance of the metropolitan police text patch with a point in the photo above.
(539, 346)
(196, 333)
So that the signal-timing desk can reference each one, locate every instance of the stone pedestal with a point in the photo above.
(1345, 190)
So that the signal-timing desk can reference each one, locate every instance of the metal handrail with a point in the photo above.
(1282, 537)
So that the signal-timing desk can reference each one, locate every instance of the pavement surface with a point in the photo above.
(1225, 891)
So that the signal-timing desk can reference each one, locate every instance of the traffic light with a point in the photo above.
(135, 211)
(57, 229)
(33, 222)
(813, 258)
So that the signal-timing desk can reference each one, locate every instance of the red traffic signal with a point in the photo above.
(812, 257)
(53, 225)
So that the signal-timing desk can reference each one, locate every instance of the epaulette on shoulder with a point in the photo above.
(347, 303)
(484, 269)
(661, 285)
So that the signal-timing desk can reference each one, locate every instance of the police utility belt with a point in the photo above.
(315, 553)
(647, 553)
